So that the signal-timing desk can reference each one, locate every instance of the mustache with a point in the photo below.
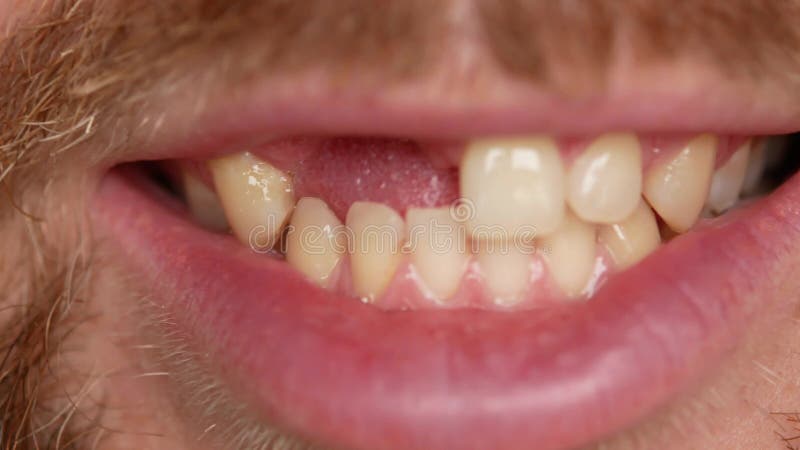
(66, 69)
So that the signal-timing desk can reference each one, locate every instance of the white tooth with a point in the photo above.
(203, 203)
(377, 232)
(438, 249)
(506, 271)
(256, 196)
(755, 168)
(677, 187)
(516, 184)
(728, 180)
(605, 182)
(570, 253)
(631, 240)
(316, 240)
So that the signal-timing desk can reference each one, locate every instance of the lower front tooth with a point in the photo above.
(377, 233)
(256, 196)
(203, 203)
(570, 254)
(631, 240)
(506, 271)
(438, 250)
(728, 180)
(316, 240)
(677, 187)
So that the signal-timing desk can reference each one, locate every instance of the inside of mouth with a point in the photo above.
(495, 223)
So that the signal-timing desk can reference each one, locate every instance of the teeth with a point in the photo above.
(605, 182)
(506, 271)
(377, 233)
(728, 180)
(438, 253)
(677, 187)
(515, 184)
(570, 254)
(203, 203)
(632, 239)
(755, 168)
(256, 196)
(316, 241)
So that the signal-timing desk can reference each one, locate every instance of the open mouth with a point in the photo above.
(507, 290)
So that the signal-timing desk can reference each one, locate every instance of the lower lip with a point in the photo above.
(344, 374)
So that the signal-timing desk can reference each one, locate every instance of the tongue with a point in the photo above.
(341, 171)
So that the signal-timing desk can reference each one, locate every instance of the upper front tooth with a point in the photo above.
(316, 240)
(377, 232)
(728, 180)
(203, 203)
(677, 187)
(517, 184)
(570, 254)
(438, 249)
(632, 239)
(605, 182)
(256, 196)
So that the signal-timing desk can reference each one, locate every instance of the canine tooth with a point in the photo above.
(570, 253)
(438, 249)
(506, 271)
(605, 181)
(377, 232)
(204, 203)
(256, 196)
(632, 239)
(316, 240)
(727, 182)
(514, 183)
(677, 187)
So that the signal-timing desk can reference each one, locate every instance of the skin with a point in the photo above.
(75, 328)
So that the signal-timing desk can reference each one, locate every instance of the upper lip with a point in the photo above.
(343, 373)
(244, 116)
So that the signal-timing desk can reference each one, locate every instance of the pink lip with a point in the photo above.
(349, 376)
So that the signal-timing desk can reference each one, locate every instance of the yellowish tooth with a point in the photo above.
(632, 239)
(605, 181)
(256, 196)
(677, 187)
(316, 240)
(570, 254)
(506, 271)
(726, 185)
(756, 165)
(438, 249)
(203, 203)
(516, 184)
(377, 232)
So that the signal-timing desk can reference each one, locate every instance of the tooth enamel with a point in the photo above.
(316, 241)
(570, 253)
(438, 250)
(728, 180)
(755, 168)
(631, 240)
(605, 182)
(514, 183)
(203, 203)
(256, 196)
(377, 232)
(506, 271)
(677, 187)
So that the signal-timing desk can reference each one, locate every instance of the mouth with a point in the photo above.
(396, 287)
